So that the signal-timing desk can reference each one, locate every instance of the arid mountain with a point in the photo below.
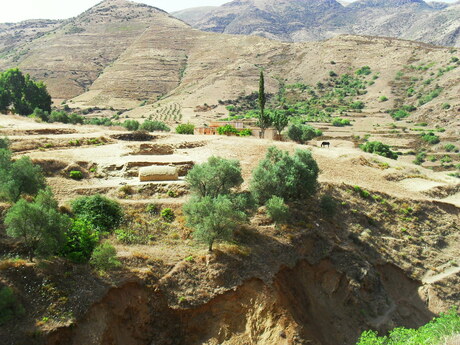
(193, 15)
(120, 54)
(307, 20)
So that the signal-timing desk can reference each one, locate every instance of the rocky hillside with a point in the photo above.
(308, 20)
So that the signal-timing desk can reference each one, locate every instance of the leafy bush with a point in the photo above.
(18, 177)
(420, 158)
(379, 148)
(9, 305)
(431, 138)
(102, 213)
(428, 98)
(185, 128)
(227, 130)
(338, 122)
(362, 192)
(245, 132)
(168, 215)
(399, 114)
(383, 98)
(39, 224)
(213, 219)
(303, 133)
(433, 333)
(358, 105)
(216, 176)
(288, 177)
(151, 126)
(131, 125)
(277, 209)
(450, 147)
(81, 240)
(365, 70)
(445, 106)
(328, 205)
(76, 175)
(104, 257)
(4, 143)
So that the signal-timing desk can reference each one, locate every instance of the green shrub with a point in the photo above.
(18, 177)
(216, 176)
(102, 213)
(338, 122)
(431, 138)
(383, 98)
(358, 105)
(450, 148)
(151, 126)
(227, 130)
(104, 257)
(428, 98)
(288, 177)
(39, 224)
(379, 148)
(76, 175)
(362, 192)
(399, 114)
(445, 106)
(245, 132)
(433, 333)
(185, 128)
(303, 133)
(420, 158)
(366, 70)
(277, 209)
(131, 125)
(213, 219)
(81, 240)
(328, 205)
(9, 305)
(168, 215)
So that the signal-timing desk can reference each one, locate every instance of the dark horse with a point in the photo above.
(325, 143)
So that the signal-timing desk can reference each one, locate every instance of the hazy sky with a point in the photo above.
(17, 10)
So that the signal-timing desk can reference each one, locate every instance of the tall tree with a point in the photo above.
(279, 120)
(22, 93)
(264, 120)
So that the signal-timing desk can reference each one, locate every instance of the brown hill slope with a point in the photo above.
(73, 55)
(317, 20)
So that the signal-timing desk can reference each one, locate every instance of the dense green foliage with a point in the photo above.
(22, 93)
(168, 215)
(9, 305)
(227, 130)
(185, 128)
(279, 120)
(433, 333)
(379, 148)
(277, 209)
(76, 175)
(288, 177)
(104, 257)
(131, 125)
(216, 176)
(338, 122)
(102, 213)
(81, 240)
(151, 126)
(213, 218)
(303, 133)
(18, 177)
(431, 138)
(39, 224)
(328, 205)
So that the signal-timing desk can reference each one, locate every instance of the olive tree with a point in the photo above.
(288, 177)
(39, 224)
(216, 176)
(213, 219)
